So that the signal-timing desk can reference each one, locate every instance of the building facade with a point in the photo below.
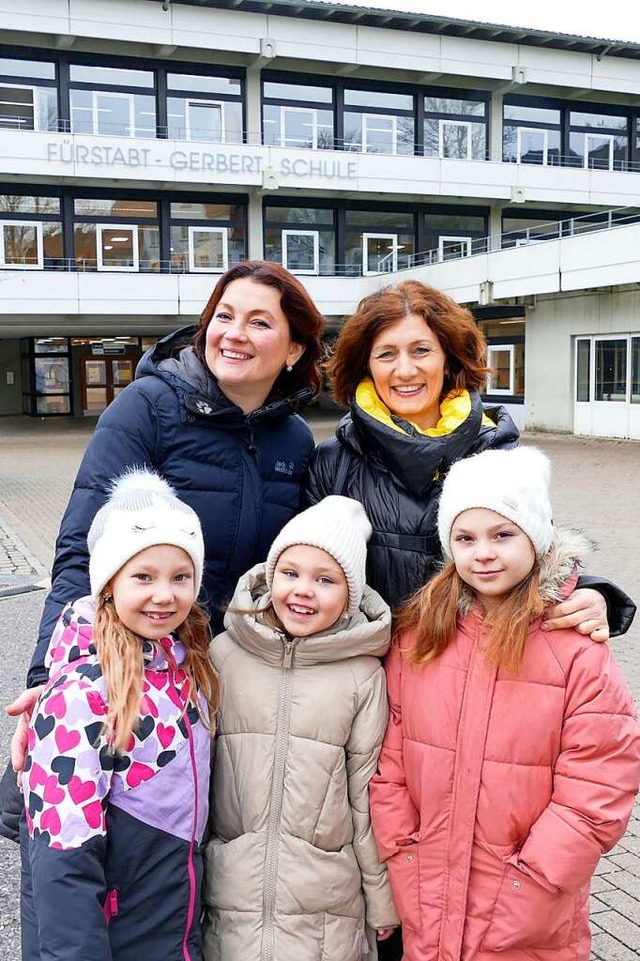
(149, 144)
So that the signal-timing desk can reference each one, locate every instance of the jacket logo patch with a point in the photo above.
(284, 467)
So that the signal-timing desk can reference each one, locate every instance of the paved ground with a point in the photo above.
(595, 488)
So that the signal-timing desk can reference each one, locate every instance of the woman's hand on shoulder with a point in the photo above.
(22, 708)
(585, 610)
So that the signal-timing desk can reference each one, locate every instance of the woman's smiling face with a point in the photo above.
(248, 342)
(407, 366)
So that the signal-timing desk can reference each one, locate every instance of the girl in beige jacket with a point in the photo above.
(292, 869)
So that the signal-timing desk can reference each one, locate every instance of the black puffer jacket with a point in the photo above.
(397, 477)
(240, 473)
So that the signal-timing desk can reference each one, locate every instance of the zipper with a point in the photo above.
(196, 803)
(110, 906)
(275, 808)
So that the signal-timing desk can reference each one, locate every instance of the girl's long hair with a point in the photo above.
(433, 613)
(119, 651)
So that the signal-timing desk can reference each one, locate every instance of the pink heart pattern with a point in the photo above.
(75, 697)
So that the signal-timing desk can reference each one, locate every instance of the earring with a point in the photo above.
(106, 597)
(289, 368)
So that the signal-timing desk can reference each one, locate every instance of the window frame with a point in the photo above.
(457, 123)
(502, 391)
(315, 271)
(38, 225)
(101, 267)
(366, 237)
(192, 229)
(394, 131)
(460, 240)
(202, 102)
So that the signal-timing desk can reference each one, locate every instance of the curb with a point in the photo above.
(20, 589)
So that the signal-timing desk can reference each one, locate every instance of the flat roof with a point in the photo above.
(424, 23)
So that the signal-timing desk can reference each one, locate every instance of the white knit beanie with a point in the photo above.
(143, 510)
(513, 483)
(337, 525)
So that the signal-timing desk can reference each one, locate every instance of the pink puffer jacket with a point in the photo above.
(496, 795)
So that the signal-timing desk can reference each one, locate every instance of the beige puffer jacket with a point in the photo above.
(292, 868)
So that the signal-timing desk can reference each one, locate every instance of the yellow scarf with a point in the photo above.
(454, 410)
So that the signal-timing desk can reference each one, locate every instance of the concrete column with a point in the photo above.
(255, 231)
(253, 106)
(253, 120)
(495, 127)
(495, 227)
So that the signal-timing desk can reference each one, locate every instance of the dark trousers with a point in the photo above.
(391, 949)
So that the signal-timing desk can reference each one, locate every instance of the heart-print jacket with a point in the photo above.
(113, 840)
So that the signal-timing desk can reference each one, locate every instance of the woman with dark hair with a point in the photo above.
(410, 362)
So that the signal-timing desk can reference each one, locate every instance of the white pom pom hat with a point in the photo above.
(142, 511)
(513, 483)
(337, 525)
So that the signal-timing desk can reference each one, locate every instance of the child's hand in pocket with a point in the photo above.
(384, 933)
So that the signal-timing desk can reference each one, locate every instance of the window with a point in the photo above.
(378, 122)
(21, 244)
(46, 375)
(611, 370)
(117, 247)
(112, 102)
(379, 134)
(599, 151)
(505, 338)
(454, 139)
(379, 253)
(204, 108)
(501, 359)
(453, 232)
(599, 141)
(583, 370)
(377, 241)
(635, 370)
(301, 251)
(452, 248)
(28, 99)
(206, 237)
(208, 248)
(303, 239)
(533, 145)
(297, 115)
(455, 127)
(531, 133)
(116, 234)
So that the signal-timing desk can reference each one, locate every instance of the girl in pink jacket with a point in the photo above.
(512, 755)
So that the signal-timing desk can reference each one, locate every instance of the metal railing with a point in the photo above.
(537, 233)
(404, 148)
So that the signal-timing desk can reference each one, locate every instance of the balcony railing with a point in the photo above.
(537, 233)
(348, 145)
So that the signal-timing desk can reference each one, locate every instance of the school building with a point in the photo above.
(146, 145)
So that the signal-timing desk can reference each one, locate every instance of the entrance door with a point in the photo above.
(102, 379)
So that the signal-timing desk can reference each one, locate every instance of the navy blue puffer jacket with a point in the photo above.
(240, 473)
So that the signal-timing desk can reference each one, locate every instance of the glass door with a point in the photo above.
(102, 379)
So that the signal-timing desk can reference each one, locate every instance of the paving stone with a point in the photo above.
(620, 928)
(606, 948)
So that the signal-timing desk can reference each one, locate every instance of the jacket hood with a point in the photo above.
(559, 569)
(175, 361)
(72, 639)
(367, 632)
(418, 460)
